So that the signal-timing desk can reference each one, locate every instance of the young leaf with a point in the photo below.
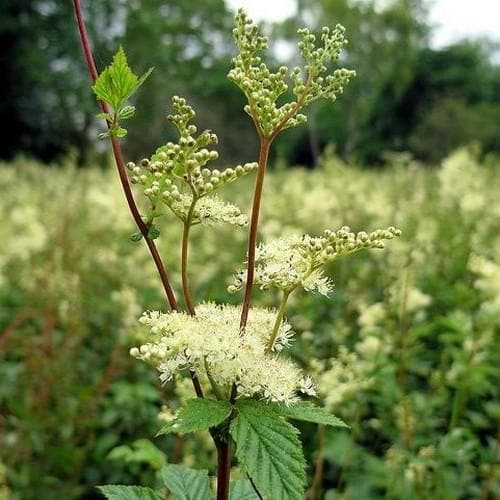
(126, 113)
(242, 489)
(187, 484)
(269, 450)
(105, 116)
(136, 236)
(117, 82)
(119, 492)
(307, 412)
(198, 415)
(153, 232)
(118, 132)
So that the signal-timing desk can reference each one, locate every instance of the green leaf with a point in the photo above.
(187, 484)
(117, 82)
(119, 492)
(153, 232)
(308, 412)
(105, 116)
(198, 415)
(126, 112)
(103, 135)
(242, 489)
(269, 450)
(136, 236)
(119, 132)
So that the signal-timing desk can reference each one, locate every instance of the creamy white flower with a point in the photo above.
(288, 263)
(209, 210)
(211, 342)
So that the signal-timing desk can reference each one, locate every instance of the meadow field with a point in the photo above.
(406, 351)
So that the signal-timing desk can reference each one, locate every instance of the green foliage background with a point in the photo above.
(408, 346)
(76, 411)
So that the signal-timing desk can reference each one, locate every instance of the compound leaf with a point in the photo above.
(269, 450)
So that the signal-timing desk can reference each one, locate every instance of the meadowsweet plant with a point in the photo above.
(245, 387)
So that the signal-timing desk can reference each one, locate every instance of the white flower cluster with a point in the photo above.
(211, 343)
(287, 263)
(180, 168)
(209, 210)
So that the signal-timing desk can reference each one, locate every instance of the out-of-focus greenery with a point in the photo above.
(406, 351)
(407, 95)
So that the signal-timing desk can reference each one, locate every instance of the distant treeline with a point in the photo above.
(407, 96)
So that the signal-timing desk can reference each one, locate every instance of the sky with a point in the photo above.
(454, 19)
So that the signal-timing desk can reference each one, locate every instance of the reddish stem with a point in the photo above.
(162, 271)
(120, 165)
(223, 467)
(265, 145)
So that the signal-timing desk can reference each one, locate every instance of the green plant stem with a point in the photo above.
(184, 259)
(265, 146)
(213, 384)
(120, 164)
(278, 321)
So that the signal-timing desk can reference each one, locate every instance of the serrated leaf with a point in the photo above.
(198, 415)
(242, 489)
(269, 450)
(136, 236)
(117, 82)
(126, 112)
(308, 412)
(187, 484)
(120, 492)
(153, 232)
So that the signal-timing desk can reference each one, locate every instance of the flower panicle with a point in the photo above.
(210, 343)
(288, 263)
(179, 170)
(263, 87)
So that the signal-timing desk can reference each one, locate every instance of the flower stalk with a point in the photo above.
(265, 146)
(279, 319)
(120, 165)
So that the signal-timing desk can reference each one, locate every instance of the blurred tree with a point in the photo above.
(384, 41)
(46, 97)
(406, 96)
(189, 43)
(44, 106)
(454, 99)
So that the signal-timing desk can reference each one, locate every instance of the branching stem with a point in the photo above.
(278, 321)
(120, 165)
